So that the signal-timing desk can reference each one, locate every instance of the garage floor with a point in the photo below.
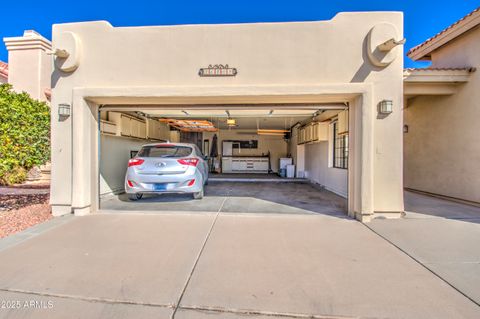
(240, 197)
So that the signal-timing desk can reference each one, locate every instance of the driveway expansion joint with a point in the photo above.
(87, 299)
(196, 262)
(265, 313)
(424, 265)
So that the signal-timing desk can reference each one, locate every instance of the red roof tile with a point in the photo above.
(442, 32)
(469, 69)
(4, 69)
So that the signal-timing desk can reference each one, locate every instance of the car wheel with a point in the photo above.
(135, 197)
(198, 195)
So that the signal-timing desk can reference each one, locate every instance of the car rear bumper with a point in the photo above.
(174, 183)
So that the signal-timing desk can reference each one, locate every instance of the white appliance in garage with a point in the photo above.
(290, 171)
(227, 148)
(284, 161)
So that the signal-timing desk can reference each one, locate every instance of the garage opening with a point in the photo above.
(282, 158)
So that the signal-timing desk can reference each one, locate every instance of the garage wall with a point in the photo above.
(315, 162)
(275, 144)
(114, 156)
(317, 169)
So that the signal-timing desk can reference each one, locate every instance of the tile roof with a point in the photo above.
(468, 69)
(4, 69)
(445, 31)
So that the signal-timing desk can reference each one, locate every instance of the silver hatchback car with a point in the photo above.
(167, 168)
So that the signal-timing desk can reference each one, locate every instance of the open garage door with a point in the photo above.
(282, 158)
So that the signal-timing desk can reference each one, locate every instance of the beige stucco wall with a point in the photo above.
(319, 168)
(30, 65)
(442, 147)
(275, 144)
(317, 162)
(114, 156)
(315, 61)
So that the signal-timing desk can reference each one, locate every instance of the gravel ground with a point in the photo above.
(22, 207)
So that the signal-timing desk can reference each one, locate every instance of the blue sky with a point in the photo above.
(423, 18)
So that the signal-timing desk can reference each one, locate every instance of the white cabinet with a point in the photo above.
(313, 132)
(174, 136)
(226, 164)
(343, 122)
(137, 128)
(127, 125)
(321, 131)
(301, 135)
(107, 127)
(124, 127)
(244, 164)
(157, 130)
(308, 133)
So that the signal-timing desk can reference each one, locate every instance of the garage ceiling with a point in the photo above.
(247, 117)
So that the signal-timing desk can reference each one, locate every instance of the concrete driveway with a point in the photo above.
(443, 236)
(219, 265)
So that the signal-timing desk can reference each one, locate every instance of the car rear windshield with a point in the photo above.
(165, 151)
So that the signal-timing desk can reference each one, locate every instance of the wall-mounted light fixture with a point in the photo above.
(385, 107)
(63, 110)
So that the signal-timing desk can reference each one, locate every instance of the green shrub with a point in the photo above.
(24, 134)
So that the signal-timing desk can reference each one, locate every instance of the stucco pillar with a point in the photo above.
(83, 156)
(30, 67)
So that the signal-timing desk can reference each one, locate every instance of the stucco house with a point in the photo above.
(332, 79)
(328, 94)
(442, 111)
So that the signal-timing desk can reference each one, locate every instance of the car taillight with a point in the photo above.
(135, 162)
(191, 182)
(188, 161)
(130, 183)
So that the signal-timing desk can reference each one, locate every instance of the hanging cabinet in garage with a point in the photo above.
(343, 122)
(313, 132)
(301, 135)
(157, 130)
(128, 126)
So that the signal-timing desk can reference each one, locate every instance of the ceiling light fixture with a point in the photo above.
(231, 122)
(271, 132)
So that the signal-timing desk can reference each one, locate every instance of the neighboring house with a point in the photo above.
(29, 66)
(3, 72)
(442, 113)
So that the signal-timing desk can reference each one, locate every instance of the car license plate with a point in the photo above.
(160, 187)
